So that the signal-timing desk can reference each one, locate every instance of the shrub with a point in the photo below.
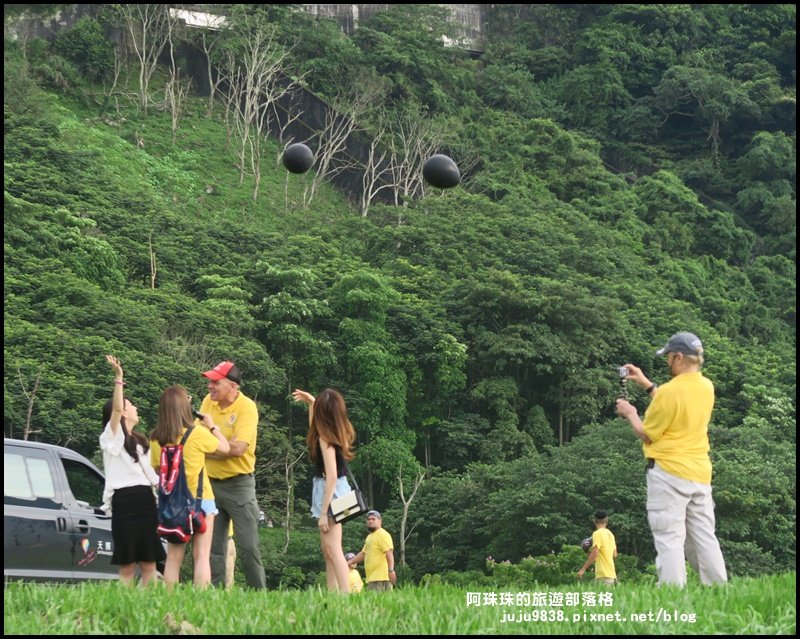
(87, 48)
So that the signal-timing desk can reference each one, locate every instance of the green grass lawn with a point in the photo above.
(745, 606)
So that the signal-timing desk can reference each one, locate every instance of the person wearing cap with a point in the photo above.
(674, 432)
(603, 550)
(356, 583)
(231, 474)
(377, 554)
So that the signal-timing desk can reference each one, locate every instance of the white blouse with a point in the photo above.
(121, 470)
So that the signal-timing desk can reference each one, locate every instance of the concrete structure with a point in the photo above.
(470, 19)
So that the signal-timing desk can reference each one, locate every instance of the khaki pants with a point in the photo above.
(681, 516)
(379, 585)
(606, 581)
(236, 500)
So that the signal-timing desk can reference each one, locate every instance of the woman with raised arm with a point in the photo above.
(128, 495)
(330, 444)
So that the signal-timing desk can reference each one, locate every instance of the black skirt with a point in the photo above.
(133, 526)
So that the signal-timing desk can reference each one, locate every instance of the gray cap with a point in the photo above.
(374, 513)
(686, 343)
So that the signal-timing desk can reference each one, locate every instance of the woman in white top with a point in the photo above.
(128, 495)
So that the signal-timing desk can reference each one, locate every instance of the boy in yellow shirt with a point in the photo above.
(604, 551)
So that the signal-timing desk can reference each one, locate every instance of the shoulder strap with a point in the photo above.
(202, 470)
(351, 476)
(186, 435)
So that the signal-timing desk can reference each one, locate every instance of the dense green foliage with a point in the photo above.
(633, 176)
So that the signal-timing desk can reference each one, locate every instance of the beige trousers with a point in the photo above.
(681, 517)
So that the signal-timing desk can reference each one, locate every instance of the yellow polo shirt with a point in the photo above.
(240, 419)
(677, 424)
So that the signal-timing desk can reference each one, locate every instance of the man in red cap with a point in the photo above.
(232, 476)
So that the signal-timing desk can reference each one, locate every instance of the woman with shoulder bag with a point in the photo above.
(330, 444)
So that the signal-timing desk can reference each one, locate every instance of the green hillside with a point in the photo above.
(628, 173)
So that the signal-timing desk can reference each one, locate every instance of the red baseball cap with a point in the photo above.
(224, 370)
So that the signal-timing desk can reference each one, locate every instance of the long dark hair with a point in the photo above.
(131, 439)
(330, 421)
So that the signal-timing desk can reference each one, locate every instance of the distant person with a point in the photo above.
(680, 509)
(603, 551)
(231, 474)
(330, 445)
(377, 554)
(128, 495)
(356, 583)
(174, 418)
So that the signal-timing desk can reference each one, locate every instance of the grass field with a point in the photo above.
(745, 606)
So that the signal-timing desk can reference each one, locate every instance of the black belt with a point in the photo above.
(233, 477)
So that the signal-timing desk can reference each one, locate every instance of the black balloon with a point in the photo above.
(298, 158)
(440, 171)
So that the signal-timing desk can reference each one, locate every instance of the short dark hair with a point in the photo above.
(600, 515)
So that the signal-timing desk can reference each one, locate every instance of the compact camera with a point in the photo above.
(623, 371)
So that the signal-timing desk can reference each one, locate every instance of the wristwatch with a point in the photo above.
(391, 569)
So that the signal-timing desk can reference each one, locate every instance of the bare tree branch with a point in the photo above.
(256, 79)
(30, 396)
(153, 266)
(289, 497)
(343, 117)
(418, 481)
(147, 26)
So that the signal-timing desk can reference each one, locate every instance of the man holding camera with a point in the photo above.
(680, 509)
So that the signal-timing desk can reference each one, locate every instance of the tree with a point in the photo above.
(415, 137)
(344, 116)
(148, 26)
(255, 70)
(175, 90)
(31, 396)
(708, 96)
(290, 319)
(209, 41)
(376, 172)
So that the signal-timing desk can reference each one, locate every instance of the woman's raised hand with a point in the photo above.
(115, 364)
(303, 396)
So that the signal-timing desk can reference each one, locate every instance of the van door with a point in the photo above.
(90, 527)
(37, 542)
